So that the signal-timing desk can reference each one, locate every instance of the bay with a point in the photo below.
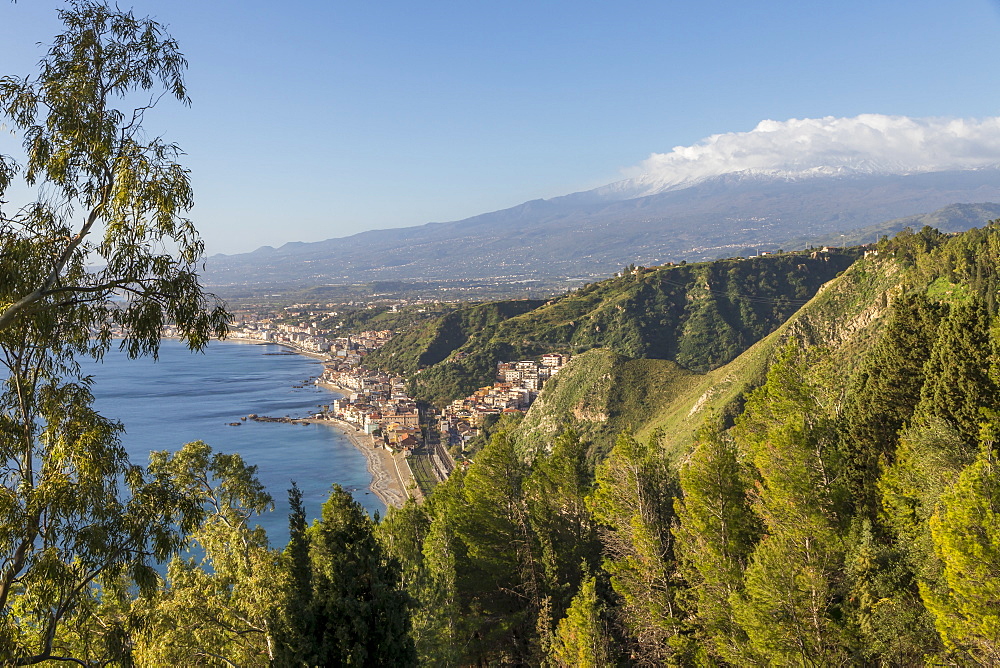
(187, 396)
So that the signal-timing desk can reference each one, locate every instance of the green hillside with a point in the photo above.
(433, 342)
(843, 318)
(699, 316)
(828, 497)
(601, 394)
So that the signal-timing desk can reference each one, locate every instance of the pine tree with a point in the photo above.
(716, 531)
(581, 638)
(882, 396)
(355, 614)
(504, 577)
(632, 503)
(434, 565)
(789, 607)
(966, 532)
(439, 630)
(294, 617)
(883, 604)
(930, 457)
(556, 491)
(958, 384)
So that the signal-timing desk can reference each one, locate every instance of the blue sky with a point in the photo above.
(313, 120)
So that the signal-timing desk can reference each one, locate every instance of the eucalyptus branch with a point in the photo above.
(32, 660)
(103, 287)
(217, 656)
(12, 311)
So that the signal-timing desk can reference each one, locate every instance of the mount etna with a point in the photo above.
(595, 233)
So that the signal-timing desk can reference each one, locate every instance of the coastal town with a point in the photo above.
(410, 447)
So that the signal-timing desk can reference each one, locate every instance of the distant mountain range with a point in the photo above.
(595, 233)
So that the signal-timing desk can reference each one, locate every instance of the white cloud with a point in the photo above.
(870, 143)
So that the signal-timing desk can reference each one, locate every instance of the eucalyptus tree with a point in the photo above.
(101, 247)
(219, 605)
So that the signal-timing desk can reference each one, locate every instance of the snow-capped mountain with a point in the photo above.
(779, 184)
(865, 145)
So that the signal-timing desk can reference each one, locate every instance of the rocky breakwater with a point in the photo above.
(284, 420)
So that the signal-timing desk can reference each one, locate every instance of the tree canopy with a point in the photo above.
(101, 249)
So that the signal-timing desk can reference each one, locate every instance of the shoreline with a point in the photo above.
(316, 356)
(383, 466)
(389, 483)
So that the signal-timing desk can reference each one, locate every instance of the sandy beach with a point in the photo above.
(391, 478)
(390, 473)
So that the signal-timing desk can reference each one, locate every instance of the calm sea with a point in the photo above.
(188, 396)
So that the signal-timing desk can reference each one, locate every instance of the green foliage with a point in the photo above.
(450, 380)
(716, 532)
(632, 503)
(556, 488)
(503, 551)
(439, 626)
(959, 386)
(104, 246)
(345, 607)
(883, 605)
(883, 394)
(930, 457)
(581, 639)
(943, 290)
(789, 607)
(435, 341)
(601, 394)
(496, 554)
(813, 532)
(98, 173)
(966, 533)
(354, 319)
(700, 316)
(845, 518)
(216, 609)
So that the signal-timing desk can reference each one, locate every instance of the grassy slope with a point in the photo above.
(602, 394)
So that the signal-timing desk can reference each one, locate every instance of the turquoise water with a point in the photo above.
(188, 396)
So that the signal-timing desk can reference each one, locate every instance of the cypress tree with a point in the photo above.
(958, 385)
